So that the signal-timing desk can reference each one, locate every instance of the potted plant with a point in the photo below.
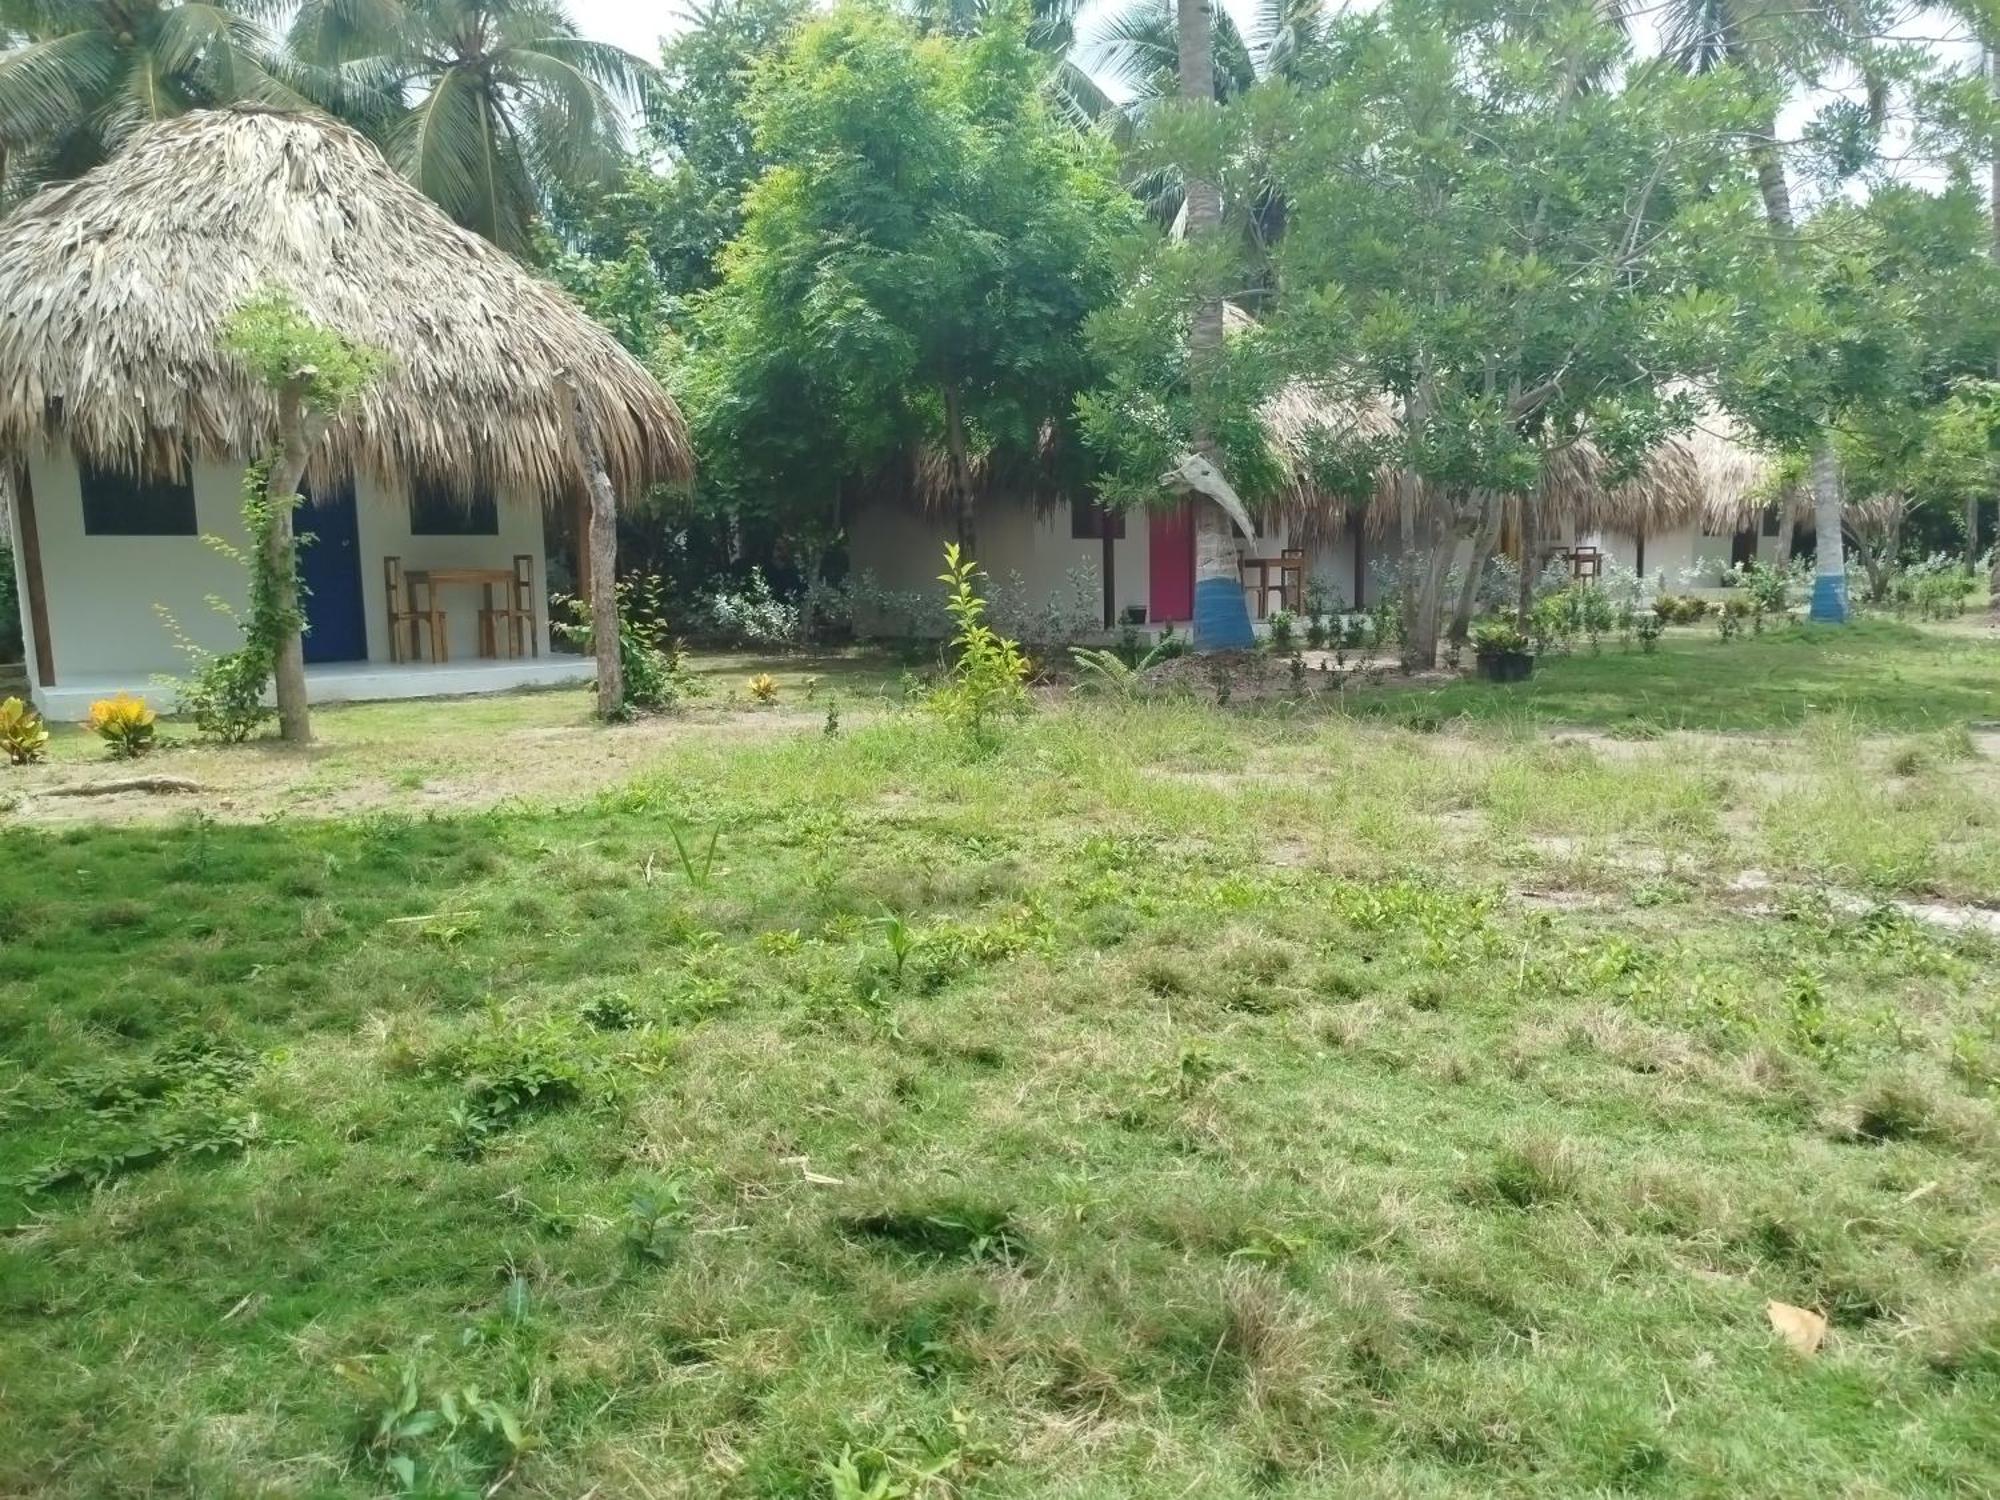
(1501, 651)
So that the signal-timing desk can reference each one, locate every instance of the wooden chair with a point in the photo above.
(1292, 578)
(516, 615)
(404, 612)
(1586, 562)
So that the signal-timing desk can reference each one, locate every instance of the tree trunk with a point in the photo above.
(1971, 535)
(1524, 603)
(288, 469)
(961, 468)
(1829, 595)
(1221, 616)
(602, 550)
(1420, 634)
(1788, 524)
(1483, 542)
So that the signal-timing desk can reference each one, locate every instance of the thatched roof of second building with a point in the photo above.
(114, 290)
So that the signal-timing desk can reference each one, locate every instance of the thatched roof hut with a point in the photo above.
(114, 290)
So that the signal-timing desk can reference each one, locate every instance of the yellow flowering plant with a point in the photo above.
(124, 723)
(23, 735)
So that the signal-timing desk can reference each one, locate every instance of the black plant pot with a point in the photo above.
(1506, 666)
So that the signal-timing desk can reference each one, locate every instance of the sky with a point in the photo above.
(638, 25)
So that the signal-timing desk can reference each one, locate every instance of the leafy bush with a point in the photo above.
(656, 679)
(1679, 609)
(751, 615)
(988, 675)
(124, 723)
(1936, 588)
(23, 735)
(764, 688)
(1648, 628)
(1064, 616)
(1284, 631)
(1497, 638)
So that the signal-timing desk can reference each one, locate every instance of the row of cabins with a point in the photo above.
(125, 433)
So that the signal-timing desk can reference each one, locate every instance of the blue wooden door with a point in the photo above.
(330, 569)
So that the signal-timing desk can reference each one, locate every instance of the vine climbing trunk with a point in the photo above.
(603, 550)
(1221, 615)
(288, 667)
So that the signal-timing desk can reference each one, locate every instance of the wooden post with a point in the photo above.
(603, 554)
(31, 566)
(281, 554)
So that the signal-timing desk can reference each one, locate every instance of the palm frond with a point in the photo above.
(45, 86)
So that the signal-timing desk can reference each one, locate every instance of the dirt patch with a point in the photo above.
(451, 768)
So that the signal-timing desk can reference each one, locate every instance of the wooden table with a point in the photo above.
(428, 581)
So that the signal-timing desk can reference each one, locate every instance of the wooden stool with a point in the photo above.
(404, 610)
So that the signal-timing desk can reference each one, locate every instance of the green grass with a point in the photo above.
(1885, 674)
(1165, 1102)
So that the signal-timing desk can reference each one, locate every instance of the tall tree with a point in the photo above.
(79, 76)
(1221, 614)
(1784, 44)
(488, 106)
(917, 259)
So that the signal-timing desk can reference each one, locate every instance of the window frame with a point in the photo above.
(135, 493)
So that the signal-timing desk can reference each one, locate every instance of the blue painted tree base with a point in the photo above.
(1829, 600)
(1221, 616)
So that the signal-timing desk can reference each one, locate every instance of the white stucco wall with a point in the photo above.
(1671, 557)
(905, 551)
(103, 590)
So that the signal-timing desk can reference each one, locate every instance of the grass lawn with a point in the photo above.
(1422, 1100)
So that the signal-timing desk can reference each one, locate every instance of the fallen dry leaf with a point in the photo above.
(1800, 1327)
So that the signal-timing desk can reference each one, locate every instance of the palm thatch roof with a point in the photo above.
(114, 290)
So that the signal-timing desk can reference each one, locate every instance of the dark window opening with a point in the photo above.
(436, 511)
(1088, 521)
(116, 504)
(1770, 520)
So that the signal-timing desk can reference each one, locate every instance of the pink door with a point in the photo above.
(1170, 543)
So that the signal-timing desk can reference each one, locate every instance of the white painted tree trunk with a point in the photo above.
(1829, 595)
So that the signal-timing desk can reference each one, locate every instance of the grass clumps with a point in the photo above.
(1011, 1124)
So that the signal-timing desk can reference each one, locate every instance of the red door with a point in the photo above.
(1170, 544)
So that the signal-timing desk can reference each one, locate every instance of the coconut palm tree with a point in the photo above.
(486, 105)
(1221, 617)
(1784, 39)
(79, 76)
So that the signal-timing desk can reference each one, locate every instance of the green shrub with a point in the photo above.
(124, 723)
(656, 679)
(23, 735)
(988, 675)
(1497, 638)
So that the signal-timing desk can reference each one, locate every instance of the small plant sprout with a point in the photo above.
(763, 688)
(901, 938)
(696, 870)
